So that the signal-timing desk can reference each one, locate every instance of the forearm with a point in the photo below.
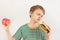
(9, 35)
(47, 36)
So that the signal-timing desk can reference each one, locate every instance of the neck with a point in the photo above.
(33, 24)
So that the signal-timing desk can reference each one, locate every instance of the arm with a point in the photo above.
(47, 29)
(8, 33)
(6, 23)
(47, 32)
(47, 36)
(16, 36)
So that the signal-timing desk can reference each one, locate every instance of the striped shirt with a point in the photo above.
(29, 34)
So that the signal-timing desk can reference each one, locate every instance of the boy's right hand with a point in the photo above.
(6, 23)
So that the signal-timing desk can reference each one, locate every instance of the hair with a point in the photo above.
(33, 8)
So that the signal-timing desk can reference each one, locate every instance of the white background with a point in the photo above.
(18, 12)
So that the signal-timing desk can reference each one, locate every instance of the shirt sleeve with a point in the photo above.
(18, 34)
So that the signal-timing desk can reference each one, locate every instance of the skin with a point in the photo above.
(36, 16)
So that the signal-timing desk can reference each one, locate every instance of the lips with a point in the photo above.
(5, 21)
(38, 19)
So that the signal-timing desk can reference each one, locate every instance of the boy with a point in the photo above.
(31, 30)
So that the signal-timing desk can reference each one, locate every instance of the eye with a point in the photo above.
(38, 13)
(41, 15)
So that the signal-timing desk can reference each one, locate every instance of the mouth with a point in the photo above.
(38, 19)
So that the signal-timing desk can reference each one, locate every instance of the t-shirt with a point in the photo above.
(29, 34)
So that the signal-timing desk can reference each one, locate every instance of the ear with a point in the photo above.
(30, 14)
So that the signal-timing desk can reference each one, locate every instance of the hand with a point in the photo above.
(47, 28)
(6, 23)
(48, 33)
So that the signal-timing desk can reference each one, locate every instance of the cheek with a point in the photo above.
(35, 16)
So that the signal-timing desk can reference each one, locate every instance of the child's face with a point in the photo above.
(36, 15)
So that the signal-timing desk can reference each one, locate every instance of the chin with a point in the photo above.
(36, 21)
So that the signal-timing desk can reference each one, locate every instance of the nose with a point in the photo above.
(39, 16)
